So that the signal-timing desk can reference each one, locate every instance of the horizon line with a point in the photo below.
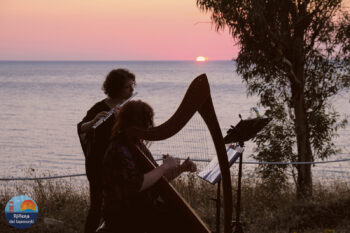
(1, 60)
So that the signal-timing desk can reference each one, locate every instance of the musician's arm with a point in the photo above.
(170, 175)
(85, 127)
(186, 166)
(150, 178)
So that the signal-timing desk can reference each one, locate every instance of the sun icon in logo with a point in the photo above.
(28, 206)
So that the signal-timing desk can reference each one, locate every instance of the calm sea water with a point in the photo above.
(41, 103)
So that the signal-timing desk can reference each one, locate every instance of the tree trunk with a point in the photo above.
(304, 181)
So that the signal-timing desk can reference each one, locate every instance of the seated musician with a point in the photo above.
(131, 203)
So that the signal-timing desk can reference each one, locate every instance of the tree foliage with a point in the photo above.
(294, 54)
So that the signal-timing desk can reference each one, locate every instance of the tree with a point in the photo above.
(294, 54)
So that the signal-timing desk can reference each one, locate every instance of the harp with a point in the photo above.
(196, 99)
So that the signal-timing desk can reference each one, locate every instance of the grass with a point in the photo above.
(264, 208)
(62, 205)
(268, 209)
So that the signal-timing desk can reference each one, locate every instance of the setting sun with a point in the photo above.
(201, 59)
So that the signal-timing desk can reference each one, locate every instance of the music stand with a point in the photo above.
(212, 174)
(243, 131)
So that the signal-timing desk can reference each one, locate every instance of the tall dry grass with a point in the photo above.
(271, 209)
(63, 205)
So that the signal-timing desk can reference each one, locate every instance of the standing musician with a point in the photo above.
(131, 202)
(118, 86)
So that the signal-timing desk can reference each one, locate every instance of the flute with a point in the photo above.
(111, 112)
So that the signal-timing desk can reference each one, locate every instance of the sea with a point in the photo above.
(42, 102)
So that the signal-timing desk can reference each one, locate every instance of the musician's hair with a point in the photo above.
(134, 113)
(115, 82)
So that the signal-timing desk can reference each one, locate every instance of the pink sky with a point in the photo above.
(109, 30)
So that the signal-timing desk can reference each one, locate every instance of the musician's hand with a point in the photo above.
(232, 145)
(116, 110)
(99, 116)
(164, 156)
(188, 166)
(171, 162)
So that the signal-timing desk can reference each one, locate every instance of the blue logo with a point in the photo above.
(21, 212)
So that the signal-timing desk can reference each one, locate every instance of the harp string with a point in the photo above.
(192, 141)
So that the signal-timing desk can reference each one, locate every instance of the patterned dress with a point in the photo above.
(125, 208)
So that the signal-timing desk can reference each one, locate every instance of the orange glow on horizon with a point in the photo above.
(201, 59)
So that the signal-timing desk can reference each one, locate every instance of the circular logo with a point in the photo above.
(21, 212)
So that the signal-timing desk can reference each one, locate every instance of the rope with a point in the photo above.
(297, 163)
(196, 160)
(41, 178)
(274, 163)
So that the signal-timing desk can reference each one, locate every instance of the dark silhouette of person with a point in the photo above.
(131, 200)
(118, 86)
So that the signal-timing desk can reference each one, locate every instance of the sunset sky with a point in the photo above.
(109, 30)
